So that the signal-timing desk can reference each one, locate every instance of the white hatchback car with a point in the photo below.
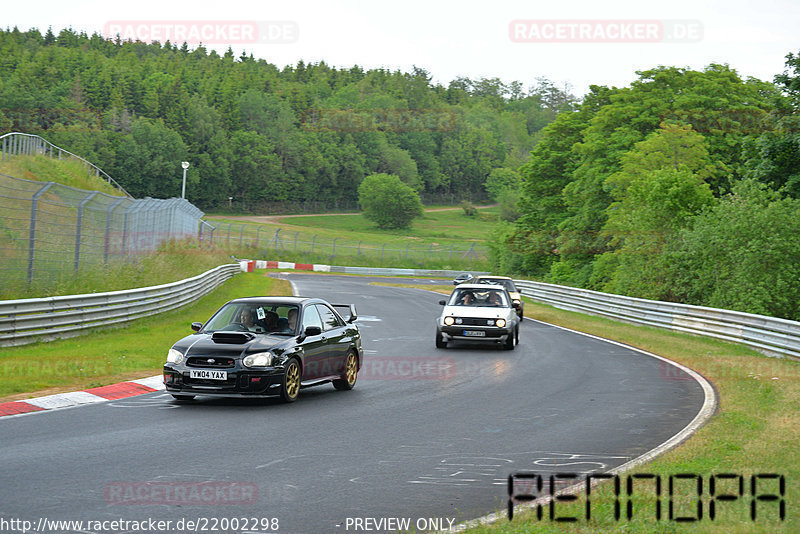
(478, 313)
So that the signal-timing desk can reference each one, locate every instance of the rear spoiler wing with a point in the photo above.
(351, 308)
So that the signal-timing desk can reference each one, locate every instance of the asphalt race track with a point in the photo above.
(426, 434)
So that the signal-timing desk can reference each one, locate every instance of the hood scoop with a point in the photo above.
(232, 338)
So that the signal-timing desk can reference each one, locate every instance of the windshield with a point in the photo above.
(256, 318)
(476, 297)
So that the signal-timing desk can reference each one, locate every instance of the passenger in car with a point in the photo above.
(467, 299)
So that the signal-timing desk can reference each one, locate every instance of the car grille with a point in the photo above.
(475, 321)
(210, 362)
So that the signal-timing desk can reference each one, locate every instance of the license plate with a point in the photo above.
(208, 375)
(474, 333)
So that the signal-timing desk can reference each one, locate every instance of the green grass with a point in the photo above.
(173, 261)
(440, 240)
(46, 169)
(103, 357)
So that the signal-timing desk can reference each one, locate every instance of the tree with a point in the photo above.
(743, 254)
(388, 202)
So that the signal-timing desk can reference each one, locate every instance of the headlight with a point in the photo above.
(261, 359)
(174, 356)
(449, 321)
(500, 322)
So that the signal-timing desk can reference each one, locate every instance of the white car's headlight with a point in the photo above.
(261, 359)
(449, 321)
(500, 322)
(174, 356)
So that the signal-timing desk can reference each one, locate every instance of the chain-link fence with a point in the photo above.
(272, 243)
(22, 144)
(48, 229)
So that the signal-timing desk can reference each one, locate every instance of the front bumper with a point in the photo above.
(265, 382)
(467, 333)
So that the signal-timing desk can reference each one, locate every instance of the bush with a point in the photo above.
(469, 209)
(388, 202)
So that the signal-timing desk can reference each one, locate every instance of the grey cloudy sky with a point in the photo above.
(466, 37)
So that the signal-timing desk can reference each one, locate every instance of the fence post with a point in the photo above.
(108, 228)
(359, 248)
(407, 244)
(313, 239)
(333, 254)
(383, 247)
(277, 239)
(258, 235)
(296, 234)
(32, 238)
(241, 237)
(78, 226)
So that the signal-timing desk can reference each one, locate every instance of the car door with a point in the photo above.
(337, 342)
(315, 348)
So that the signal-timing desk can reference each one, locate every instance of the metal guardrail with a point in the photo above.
(17, 143)
(768, 334)
(27, 321)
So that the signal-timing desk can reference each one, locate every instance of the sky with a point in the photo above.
(574, 43)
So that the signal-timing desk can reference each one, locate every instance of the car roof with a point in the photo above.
(277, 300)
(491, 277)
(479, 287)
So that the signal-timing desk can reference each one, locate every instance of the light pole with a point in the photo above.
(185, 165)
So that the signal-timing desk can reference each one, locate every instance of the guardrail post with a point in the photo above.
(32, 238)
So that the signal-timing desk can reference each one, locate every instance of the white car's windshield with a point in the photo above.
(478, 297)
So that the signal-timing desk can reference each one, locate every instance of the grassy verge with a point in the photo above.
(46, 169)
(134, 351)
(171, 262)
(755, 431)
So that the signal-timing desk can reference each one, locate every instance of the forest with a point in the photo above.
(258, 136)
(683, 186)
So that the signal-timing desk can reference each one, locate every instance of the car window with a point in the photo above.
(464, 297)
(311, 318)
(329, 319)
(223, 317)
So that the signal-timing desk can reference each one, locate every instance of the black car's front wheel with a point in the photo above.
(348, 379)
(290, 388)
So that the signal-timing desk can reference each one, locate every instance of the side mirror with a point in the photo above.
(443, 302)
(313, 331)
(197, 326)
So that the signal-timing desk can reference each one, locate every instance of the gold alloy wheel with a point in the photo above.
(352, 368)
(292, 380)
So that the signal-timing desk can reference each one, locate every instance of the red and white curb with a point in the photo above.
(249, 266)
(89, 396)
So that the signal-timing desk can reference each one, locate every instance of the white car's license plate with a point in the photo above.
(208, 375)
(474, 333)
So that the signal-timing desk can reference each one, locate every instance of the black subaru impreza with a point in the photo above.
(266, 346)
